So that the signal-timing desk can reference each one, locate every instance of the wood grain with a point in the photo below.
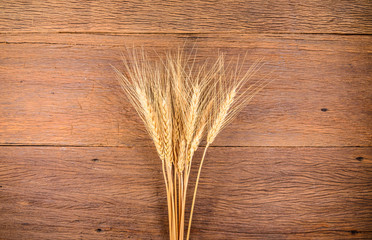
(76, 163)
(61, 90)
(253, 16)
(118, 193)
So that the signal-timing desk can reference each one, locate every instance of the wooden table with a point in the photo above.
(76, 162)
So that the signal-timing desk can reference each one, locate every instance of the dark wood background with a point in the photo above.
(76, 163)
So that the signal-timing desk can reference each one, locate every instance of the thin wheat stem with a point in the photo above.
(181, 222)
(168, 199)
(170, 184)
(195, 191)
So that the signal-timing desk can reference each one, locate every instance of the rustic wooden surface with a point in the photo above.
(76, 163)
(245, 193)
(319, 16)
(61, 90)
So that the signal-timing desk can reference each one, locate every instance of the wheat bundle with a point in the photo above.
(181, 103)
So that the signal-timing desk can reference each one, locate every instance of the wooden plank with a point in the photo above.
(60, 89)
(253, 16)
(245, 193)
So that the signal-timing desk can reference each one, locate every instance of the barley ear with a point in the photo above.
(151, 122)
(221, 116)
(166, 121)
(192, 114)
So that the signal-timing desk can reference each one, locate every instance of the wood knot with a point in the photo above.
(359, 158)
(324, 109)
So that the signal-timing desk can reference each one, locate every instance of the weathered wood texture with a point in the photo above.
(61, 90)
(245, 193)
(99, 177)
(320, 16)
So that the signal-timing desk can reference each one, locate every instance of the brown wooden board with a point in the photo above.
(61, 90)
(320, 16)
(245, 193)
(76, 162)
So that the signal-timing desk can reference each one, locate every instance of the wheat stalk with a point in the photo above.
(180, 102)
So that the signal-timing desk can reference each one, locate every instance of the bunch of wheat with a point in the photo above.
(180, 103)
